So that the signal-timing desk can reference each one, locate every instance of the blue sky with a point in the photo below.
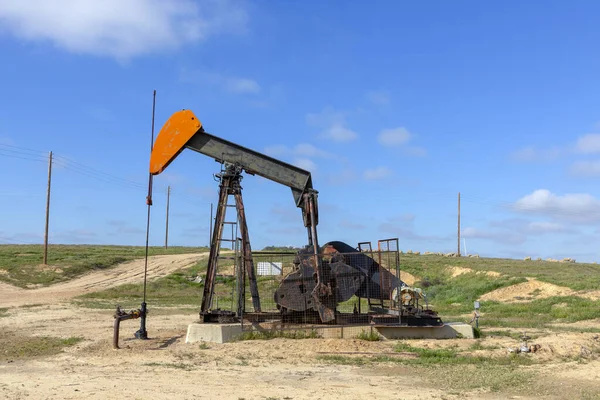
(393, 106)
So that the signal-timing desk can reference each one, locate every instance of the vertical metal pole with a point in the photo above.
(215, 247)
(458, 224)
(142, 333)
(47, 209)
(399, 286)
(248, 261)
(167, 219)
(211, 224)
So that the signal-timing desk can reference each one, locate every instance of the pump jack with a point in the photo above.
(184, 131)
(319, 283)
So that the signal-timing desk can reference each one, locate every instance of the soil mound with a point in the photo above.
(408, 278)
(457, 271)
(527, 291)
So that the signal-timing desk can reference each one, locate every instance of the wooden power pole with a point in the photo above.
(167, 220)
(47, 209)
(458, 242)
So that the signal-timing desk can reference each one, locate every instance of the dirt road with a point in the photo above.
(129, 272)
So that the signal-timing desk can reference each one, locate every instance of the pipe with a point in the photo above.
(122, 316)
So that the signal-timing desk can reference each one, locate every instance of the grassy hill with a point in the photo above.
(21, 265)
(450, 293)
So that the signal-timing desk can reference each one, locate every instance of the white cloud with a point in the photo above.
(586, 168)
(578, 207)
(276, 150)
(377, 173)
(117, 28)
(332, 124)
(416, 151)
(339, 133)
(341, 177)
(380, 97)
(305, 163)
(224, 81)
(394, 137)
(531, 154)
(402, 226)
(346, 224)
(170, 178)
(325, 118)
(527, 227)
(589, 143)
(399, 137)
(308, 150)
(506, 237)
(241, 85)
(300, 150)
(7, 141)
(79, 236)
(545, 227)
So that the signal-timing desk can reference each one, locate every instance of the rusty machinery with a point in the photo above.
(335, 278)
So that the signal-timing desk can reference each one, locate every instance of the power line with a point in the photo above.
(21, 149)
(95, 176)
(91, 170)
(15, 241)
(22, 156)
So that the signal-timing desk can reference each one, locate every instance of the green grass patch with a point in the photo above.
(3, 312)
(431, 357)
(175, 289)
(478, 345)
(268, 335)
(456, 295)
(344, 360)
(449, 369)
(370, 336)
(18, 347)
(538, 313)
(577, 276)
(489, 377)
(23, 263)
(182, 366)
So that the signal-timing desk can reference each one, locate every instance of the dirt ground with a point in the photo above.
(165, 367)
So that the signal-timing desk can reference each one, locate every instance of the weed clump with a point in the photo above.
(268, 335)
(370, 336)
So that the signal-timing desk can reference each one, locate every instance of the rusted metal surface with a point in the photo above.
(230, 179)
(349, 276)
(340, 277)
(119, 316)
(247, 260)
(213, 257)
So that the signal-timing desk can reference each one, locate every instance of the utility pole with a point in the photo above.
(47, 209)
(458, 224)
(167, 223)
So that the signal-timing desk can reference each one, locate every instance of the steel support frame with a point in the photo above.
(230, 179)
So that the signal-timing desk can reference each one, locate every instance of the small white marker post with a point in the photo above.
(476, 314)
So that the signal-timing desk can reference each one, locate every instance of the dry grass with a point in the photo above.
(16, 347)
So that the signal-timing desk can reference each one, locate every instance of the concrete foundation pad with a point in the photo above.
(215, 333)
(223, 333)
(447, 331)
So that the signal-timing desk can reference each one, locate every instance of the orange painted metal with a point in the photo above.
(172, 138)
